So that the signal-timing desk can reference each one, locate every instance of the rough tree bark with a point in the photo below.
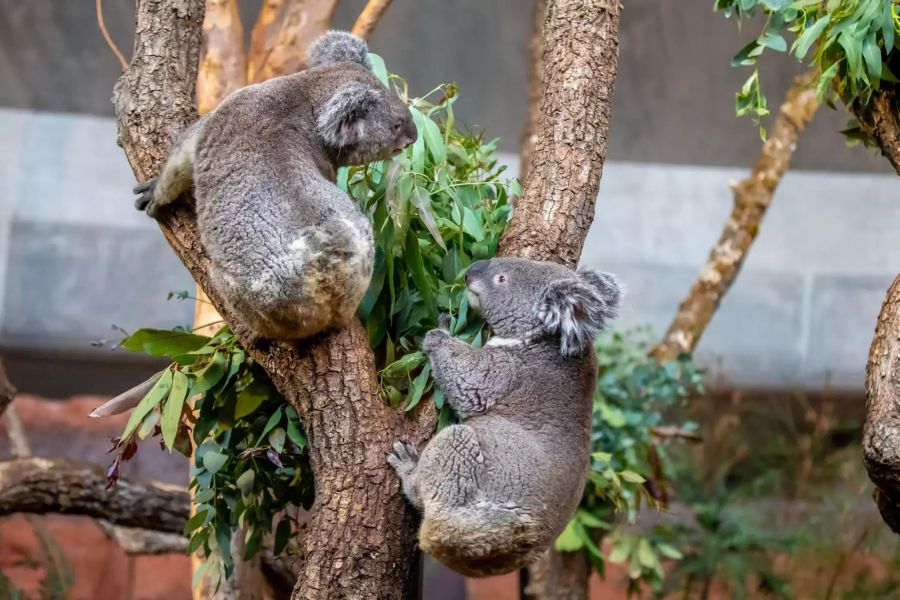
(360, 542)
(535, 87)
(880, 119)
(567, 144)
(61, 485)
(752, 197)
(881, 433)
(556, 208)
(282, 32)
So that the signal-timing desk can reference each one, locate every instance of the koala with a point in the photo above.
(497, 489)
(291, 254)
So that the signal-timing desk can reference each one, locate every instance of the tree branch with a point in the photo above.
(580, 55)
(282, 33)
(61, 485)
(369, 17)
(881, 432)
(223, 63)
(7, 391)
(880, 119)
(752, 197)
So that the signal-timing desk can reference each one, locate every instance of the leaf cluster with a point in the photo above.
(851, 43)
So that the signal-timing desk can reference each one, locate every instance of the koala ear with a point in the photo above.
(576, 309)
(337, 46)
(340, 119)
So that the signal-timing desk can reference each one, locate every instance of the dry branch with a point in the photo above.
(369, 17)
(61, 485)
(580, 55)
(752, 196)
(881, 433)
(282, 33)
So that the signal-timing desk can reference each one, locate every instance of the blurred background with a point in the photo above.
(784, 356)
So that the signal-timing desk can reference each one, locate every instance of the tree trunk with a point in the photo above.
(580, 55)
(880, 119)
(881, 433)
(752, 197)
(566, 146)
(535, 87)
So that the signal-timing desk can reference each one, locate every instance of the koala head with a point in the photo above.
(519, 297)
(358, 119)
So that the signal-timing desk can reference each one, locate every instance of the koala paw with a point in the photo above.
(144, 201)
(444, 322)
(434, 338)
(404, 458)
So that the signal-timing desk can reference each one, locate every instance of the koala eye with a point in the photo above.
(398, 125)
(499, 279)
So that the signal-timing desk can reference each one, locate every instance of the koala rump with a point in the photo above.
(497, 489)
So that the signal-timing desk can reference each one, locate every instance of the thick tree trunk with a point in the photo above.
(752, 197)
(580, 55)
(61, 485)
(535, 87)
(361, 541)
(880, 118)
(881, 433)
(566, 148)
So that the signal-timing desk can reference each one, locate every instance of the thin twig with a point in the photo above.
(109, 41)
(369, 18)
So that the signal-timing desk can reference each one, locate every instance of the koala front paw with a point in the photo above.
(433, 339)
(404, 458)
(144, 201)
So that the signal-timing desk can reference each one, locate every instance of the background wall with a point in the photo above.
(76, 259)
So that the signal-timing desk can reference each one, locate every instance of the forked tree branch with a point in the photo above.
(369, 17)
(752, 197)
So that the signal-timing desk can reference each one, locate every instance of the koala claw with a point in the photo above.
(433, 339)
(144, 200)
(404, 458)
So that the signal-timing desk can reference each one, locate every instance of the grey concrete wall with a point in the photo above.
(76, 258)
(674, 100)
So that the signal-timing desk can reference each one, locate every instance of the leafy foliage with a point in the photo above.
(852, 43)
(628, 461)
(435, 208)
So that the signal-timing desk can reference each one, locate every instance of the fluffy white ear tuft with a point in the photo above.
(577, 309)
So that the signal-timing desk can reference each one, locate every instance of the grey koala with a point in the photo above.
(497, 489)
(290, 252)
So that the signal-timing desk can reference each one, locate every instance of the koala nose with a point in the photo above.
(409, 133)
(476, 269)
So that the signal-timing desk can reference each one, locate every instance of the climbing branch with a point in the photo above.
(369, 17)
(881, 432)
(752, 197)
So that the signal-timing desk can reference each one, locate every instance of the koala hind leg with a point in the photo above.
(454, 467)
(176, 175)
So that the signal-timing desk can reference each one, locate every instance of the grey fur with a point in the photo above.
(291, 254)
(337, 46)
(497, 489)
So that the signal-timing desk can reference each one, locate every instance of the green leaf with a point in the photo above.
(245, 482)
(213, 461)
(282, 535)
(156, 394)
(164, 342)
(197, 540)
(434, 141)
(416, 267)
(200, 573)
(569, 540)
(295, 434)
(249, 399)
(825, 80)
(211, 374)
(631, 477)
(872, 55)
(472, 225)
(171, 412)
(148, 425)
(404, 365)
(204, 495)
(276, 439)
(774, 41)
(669, 551)
(376, 63)
(417, 159)
(591, 520)
(196, 521)
(418, 387)
(801, 46)
(422, 201)
(274, 420)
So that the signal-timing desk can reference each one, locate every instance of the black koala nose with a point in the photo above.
(410, 133)
(476, 269)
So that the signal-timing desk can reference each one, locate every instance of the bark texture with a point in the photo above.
(361, 540)
(535, 87)
(575, 56)
(369, 17)
(752, 197)
(880, 118)
(7, 391)
(223, 63)
(580, 56)
(61, 485)
(881, 433)
(282, 32)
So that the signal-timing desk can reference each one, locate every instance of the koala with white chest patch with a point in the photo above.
(291, 254)
(497, 489)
